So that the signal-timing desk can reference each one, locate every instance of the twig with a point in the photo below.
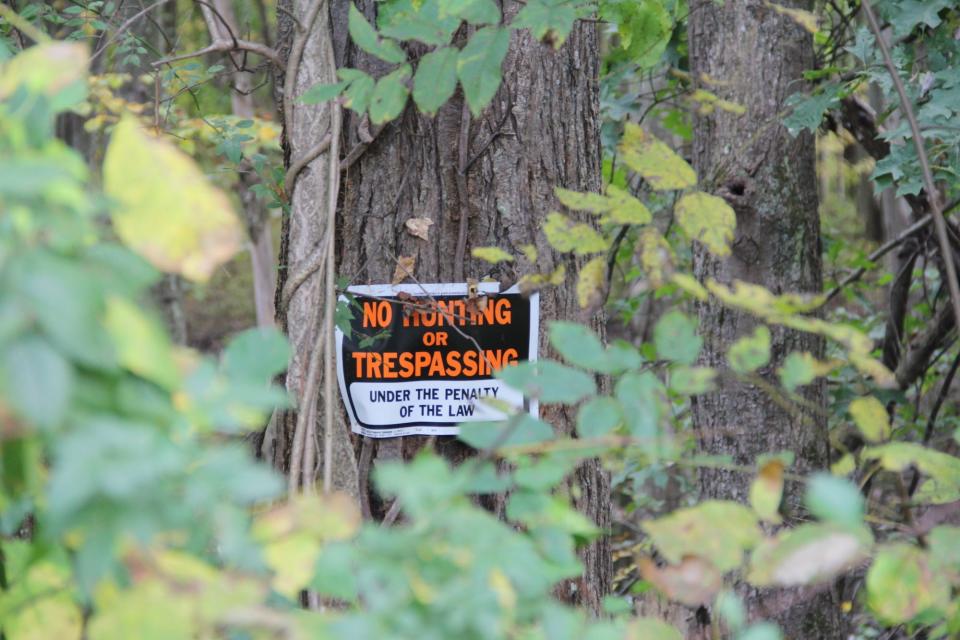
(933, 196)
(126, 25)
(359, 149)
(330, 295)
(23, 25)
(464, 154)
(225, 46)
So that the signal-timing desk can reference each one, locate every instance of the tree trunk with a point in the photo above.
(222, 25)
(484, 181)
(747, 52)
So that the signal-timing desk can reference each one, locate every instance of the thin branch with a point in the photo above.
(22, 24)
(933, 196)
(227, 46)
(126, 25)
(330, 295)
(463, 158)
(878, 253)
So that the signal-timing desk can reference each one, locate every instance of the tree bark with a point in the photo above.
(747, 52)
(488, 180)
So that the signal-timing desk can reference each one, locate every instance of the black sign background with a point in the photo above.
(515, 335)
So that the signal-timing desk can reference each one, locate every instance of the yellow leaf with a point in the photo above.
(767, 489)
(492, 255)
(591, 282)
(655, 161)
(871, 418)
(624, 208)
(656, 256)
(533, 282)
(141, 344)
(529, 252)
(708, 219)
(45, 68)
(565, 235)
(689, 285)
(166, 210)
(805, 19)
(500, 584)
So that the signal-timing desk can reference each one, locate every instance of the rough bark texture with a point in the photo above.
(746, 52)
(541, 131)
(303, 230)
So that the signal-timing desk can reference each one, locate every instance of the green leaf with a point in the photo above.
(834, 499)
(435, 79)
(708, 219)
(655, 161)
(644, 30)
(365, 37)
(322, 92)
(902, 584)
(548, 381)
(256, 354)
(519, 430)
(749, 353)
(564, 235)
(676, 339)
(808, 111)
(37, 381)
(800, 369)
(416, 20)
(472, 11)
(644, 403)
(389, 96)
(547, 17)
(808, 554)
(190, 230)
(358, 93)
(580, 346)
(598, 417)
(871, 418)
(478, 66)
(492, 255)
(692, 381)
(715, 530)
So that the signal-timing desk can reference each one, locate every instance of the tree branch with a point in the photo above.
(933, 196)
(227, 46)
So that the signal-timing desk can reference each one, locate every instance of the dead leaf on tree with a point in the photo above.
(419, 227)
(404, 270)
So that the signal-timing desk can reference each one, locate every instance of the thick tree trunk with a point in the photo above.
(748, 53)
(541, 131)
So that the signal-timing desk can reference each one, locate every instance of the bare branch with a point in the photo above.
(225, 46)
(933, 196)
(126, 25)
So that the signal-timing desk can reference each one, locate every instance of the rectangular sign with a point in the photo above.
(420, 359)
